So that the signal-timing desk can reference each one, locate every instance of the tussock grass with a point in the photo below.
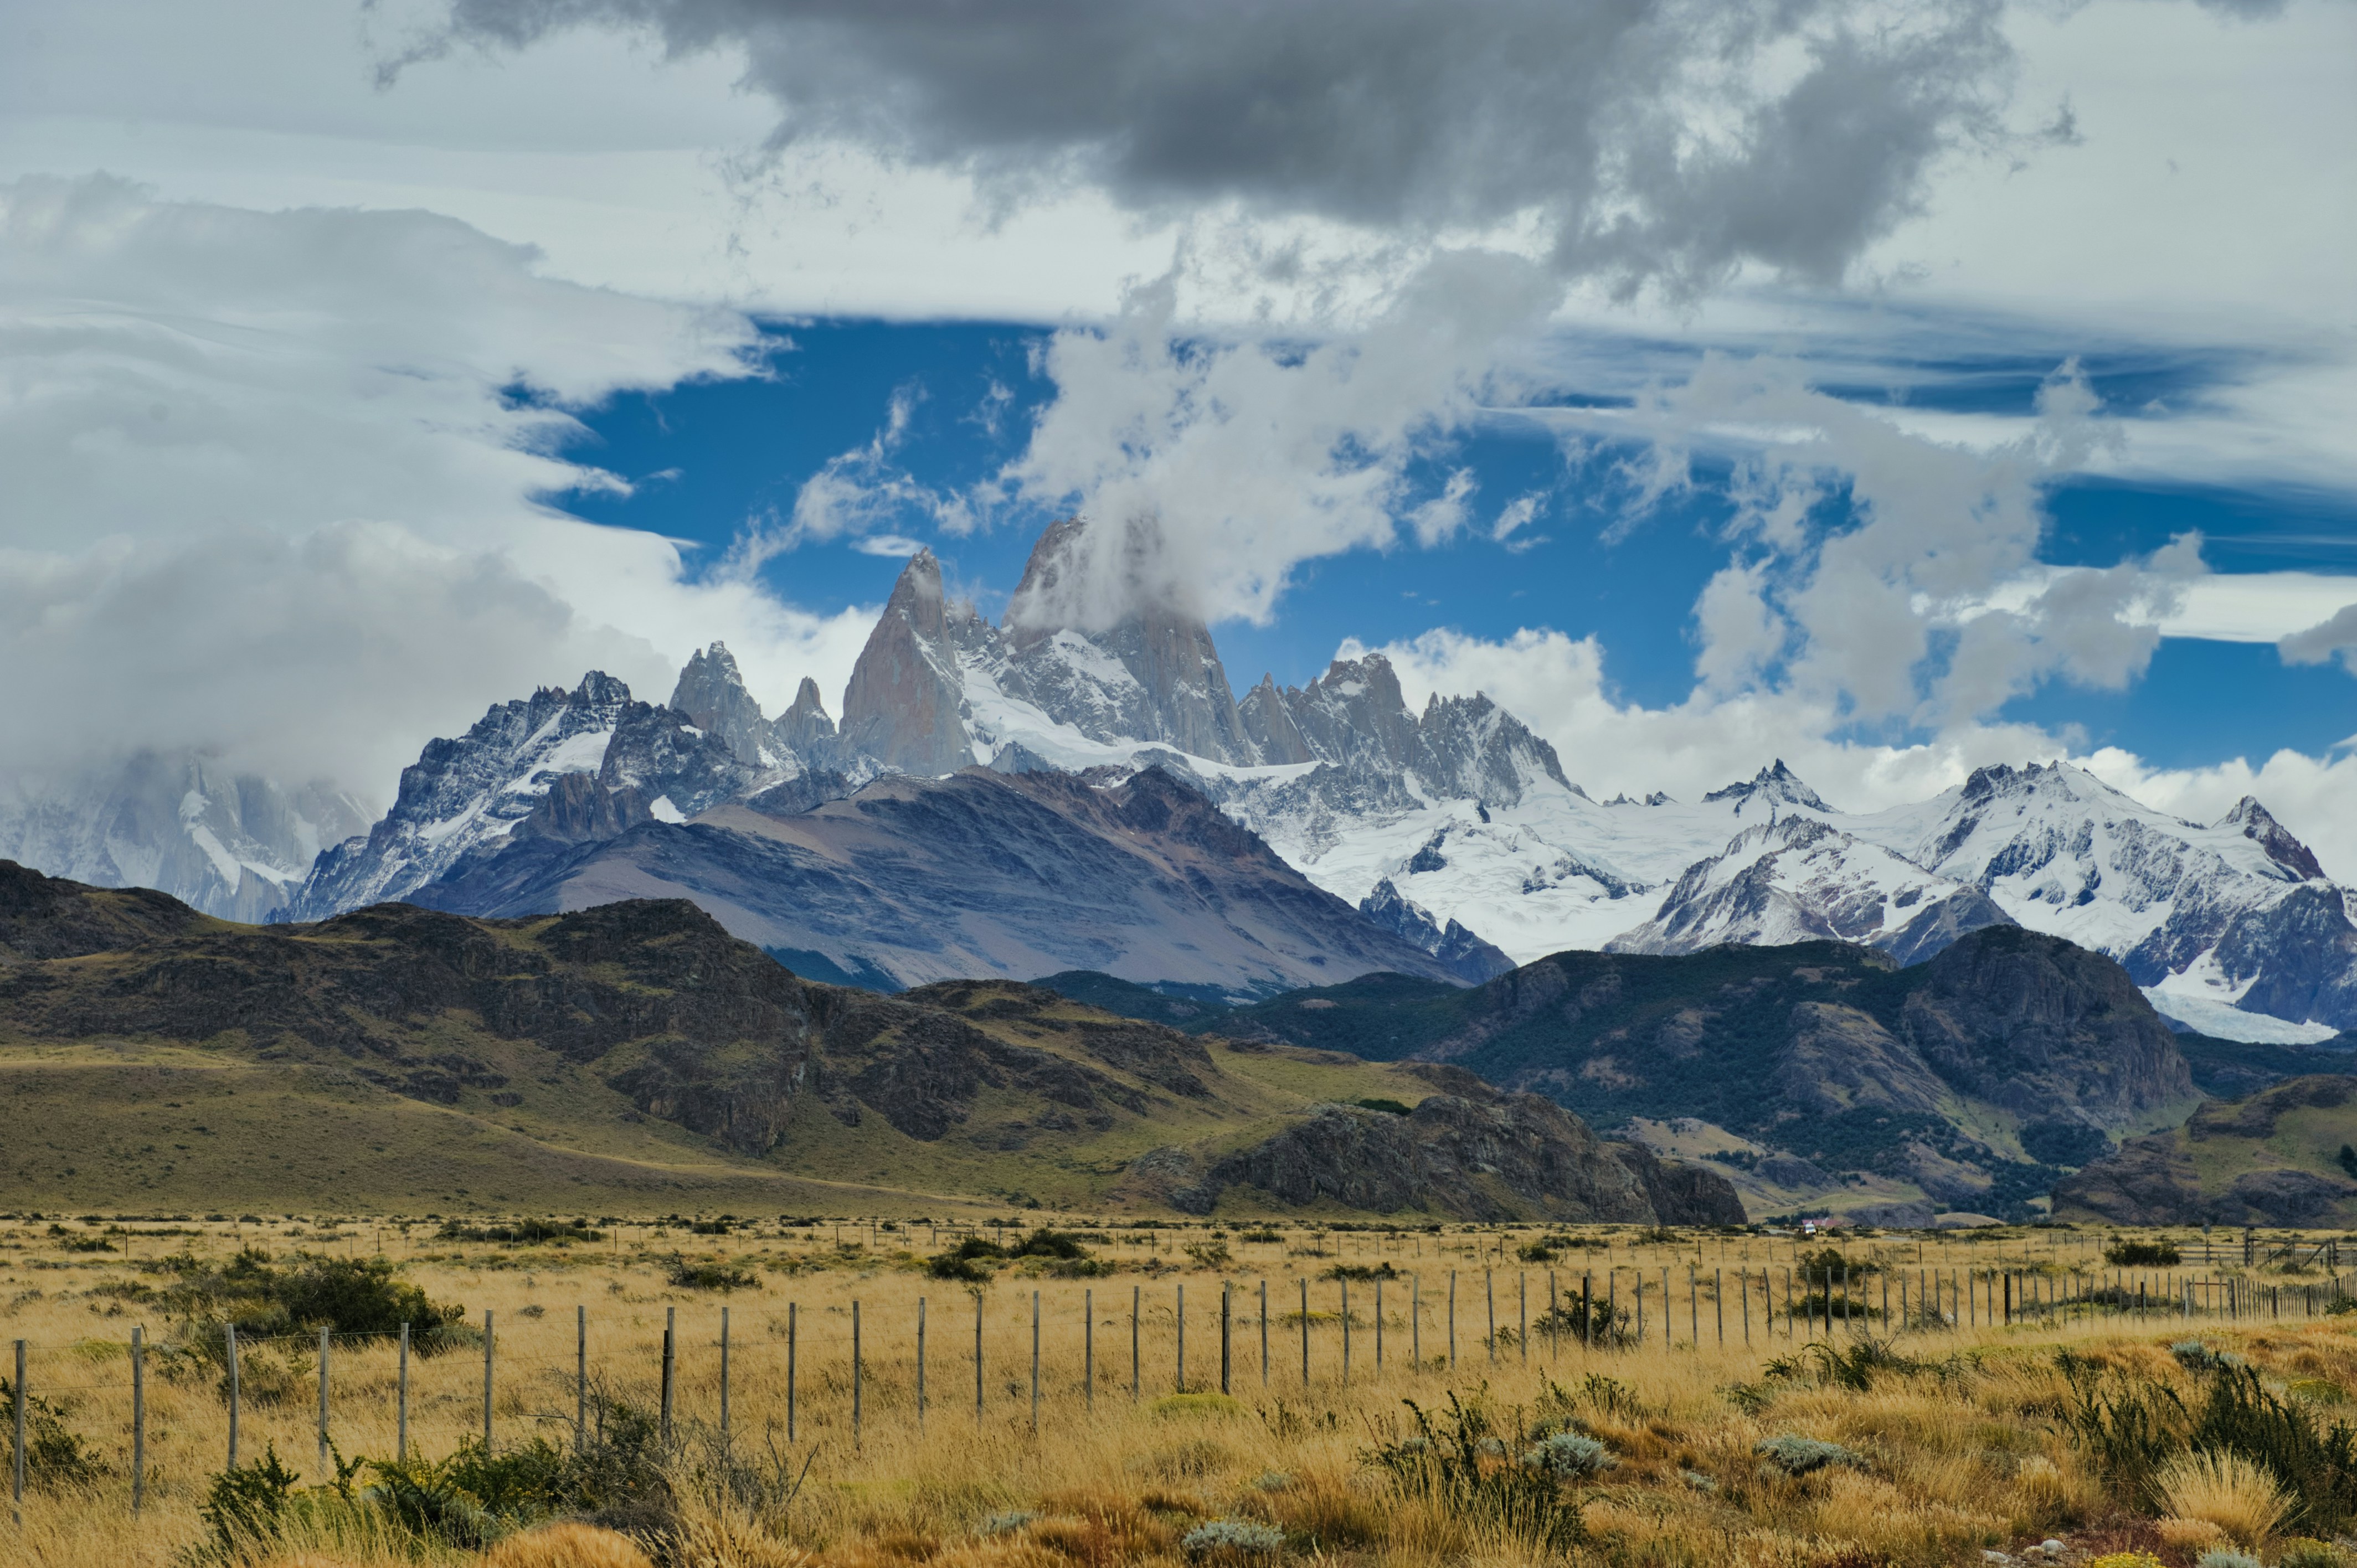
(2238, 1496)
(1957, 1439)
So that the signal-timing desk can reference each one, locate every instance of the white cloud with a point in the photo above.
(1220, 465)
(269, 495)
(1559, 686)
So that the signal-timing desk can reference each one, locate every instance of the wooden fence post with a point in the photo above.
(400, 1402)
(138, 1418)
(920, 1363)
(580, 1377)
(858, 1372)
(230, 1336)
(488, 1344)
(670, 1321)
(16, 1446)
(1088, 1343)
(1226, 1332)
(324, 1344)
(793, 1325)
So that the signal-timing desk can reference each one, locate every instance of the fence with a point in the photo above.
(1050, 1343)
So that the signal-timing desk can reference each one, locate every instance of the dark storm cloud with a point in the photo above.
(1659, 140)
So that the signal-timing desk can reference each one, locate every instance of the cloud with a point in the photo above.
(1652, 141)
(2336, 635)
(857, 491)
(1211, 469)
(276, 487)
(1559, 686)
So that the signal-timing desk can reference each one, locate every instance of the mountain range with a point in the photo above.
(984, 776)
(634, 1055)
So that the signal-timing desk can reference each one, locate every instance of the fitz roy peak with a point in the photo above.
(1452, 831)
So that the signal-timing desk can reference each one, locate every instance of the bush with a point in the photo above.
(1211, 1255)
(685, 1276)
(1365, 1272)
(1236, 1537)
(1797, 1456)
(1388, 1107)
(559, 1232)
(54, 1457)
(1456, 1462)
(2125, 1254)
(263, 1299)
(1570, 1456)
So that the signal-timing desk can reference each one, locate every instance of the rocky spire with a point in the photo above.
(904, 705)
(805, 726)
(711, 693)
(1182, 698)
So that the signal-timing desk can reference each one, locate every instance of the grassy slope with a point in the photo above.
(227, 1125)
(999, 1151)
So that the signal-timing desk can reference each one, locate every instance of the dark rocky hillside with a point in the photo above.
(1974, 1079)
(647, 1014)
(2281, 1157)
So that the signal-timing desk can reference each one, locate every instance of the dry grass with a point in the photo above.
(1945, 1465)
(2226, 1490)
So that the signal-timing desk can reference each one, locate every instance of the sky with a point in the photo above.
(1895, 389)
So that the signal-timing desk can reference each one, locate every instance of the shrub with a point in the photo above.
(1364, 1271)
(54, 1457)
(2126, 1254)
(1046, 1243)
(1797, 1456)
(2315, 1465)
(1236, 1537)
(1569, 1456)
(560, 1232)
(2305, 1552)
(1263, 1236)
(2227, 1557)
(1456, 1462)
(685, 1276)
(1208, 1254)
(1388, 1107)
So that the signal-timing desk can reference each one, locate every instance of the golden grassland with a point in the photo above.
(1967, 1453)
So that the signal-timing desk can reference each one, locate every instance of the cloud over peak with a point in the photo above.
(1662, 142)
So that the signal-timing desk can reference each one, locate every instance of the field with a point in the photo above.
(1081, 1440)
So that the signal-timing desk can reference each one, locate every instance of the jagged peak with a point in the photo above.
(598, 689)
(2260, 826)
(807, 703)
(1777, 784)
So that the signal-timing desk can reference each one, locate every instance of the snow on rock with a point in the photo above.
(1800, 880)
(230, 845)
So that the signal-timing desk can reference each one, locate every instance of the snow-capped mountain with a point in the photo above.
(588, 763)
(1800, 880)
(1454, 827)
(231, 844)
(2237, 915)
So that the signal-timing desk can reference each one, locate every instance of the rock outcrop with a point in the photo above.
(2276, 1158)
(1468, 1150)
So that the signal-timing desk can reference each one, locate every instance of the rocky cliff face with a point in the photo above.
(2272, 1158)
(1466, 956)
(905, 705)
